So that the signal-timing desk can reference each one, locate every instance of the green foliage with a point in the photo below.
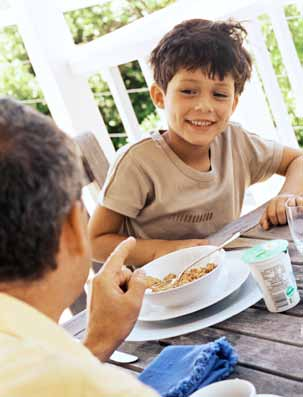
(91, 23)
(296, 28)
(11, 45)
(17, 77)
(151, 122)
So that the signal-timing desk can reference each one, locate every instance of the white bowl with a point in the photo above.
(175, 262)
(228, 388)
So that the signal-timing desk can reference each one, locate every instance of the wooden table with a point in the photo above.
(270, 345)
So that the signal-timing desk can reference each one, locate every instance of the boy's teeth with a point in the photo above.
(201, 123)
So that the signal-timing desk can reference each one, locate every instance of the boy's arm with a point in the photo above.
(103, 229)
(291, 167)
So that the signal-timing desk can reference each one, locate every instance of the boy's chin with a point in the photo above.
(201, 141)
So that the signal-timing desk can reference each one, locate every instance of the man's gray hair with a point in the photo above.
(40, 179)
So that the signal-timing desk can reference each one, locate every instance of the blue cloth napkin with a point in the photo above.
(180, 370)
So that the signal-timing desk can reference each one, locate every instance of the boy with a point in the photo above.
(180, 185)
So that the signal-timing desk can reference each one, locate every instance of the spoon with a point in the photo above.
(232, 238)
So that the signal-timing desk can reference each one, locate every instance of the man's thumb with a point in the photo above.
(137, 284)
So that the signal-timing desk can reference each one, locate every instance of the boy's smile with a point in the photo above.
(197, 108)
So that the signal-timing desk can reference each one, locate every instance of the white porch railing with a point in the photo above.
(62, 68)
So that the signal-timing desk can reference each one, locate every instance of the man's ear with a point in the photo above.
(157, 95)
(235, 104)
(74, 234)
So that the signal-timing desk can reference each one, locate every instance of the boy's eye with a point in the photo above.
(220, 95)
(188, 92)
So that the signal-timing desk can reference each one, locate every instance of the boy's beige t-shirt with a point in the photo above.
(163, 198)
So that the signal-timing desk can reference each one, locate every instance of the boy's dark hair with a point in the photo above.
(216, 47)
(40, 179)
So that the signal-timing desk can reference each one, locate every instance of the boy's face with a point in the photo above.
(197, 108)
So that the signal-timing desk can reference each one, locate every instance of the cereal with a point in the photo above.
(169, 281)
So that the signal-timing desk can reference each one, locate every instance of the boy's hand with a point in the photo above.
(275, 213)
(167, 246)
(114, 302)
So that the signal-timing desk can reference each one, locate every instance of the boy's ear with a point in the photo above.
(157, 95)
(73, 234)
(235, 104)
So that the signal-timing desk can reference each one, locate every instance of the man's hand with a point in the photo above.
(275, 213)
(114, 302)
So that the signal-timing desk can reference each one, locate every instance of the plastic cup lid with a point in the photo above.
(266, 250)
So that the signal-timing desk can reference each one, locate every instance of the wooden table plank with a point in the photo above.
(76, 324)
(295, 256)
(242, 243)
(298, 270)
(264, 355)
(265, 325)
(281, 232)
(263, 381)
(268, 383)
(243, 224)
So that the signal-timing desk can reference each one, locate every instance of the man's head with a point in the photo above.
(213, 47)
(40, 181)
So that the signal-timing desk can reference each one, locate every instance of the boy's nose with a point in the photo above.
(204, 106)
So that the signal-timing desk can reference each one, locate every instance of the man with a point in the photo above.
(44, 263)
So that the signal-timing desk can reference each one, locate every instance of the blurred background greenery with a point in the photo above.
(17, 77)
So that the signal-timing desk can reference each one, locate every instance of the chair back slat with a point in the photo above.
(95, 166)
(94, 160)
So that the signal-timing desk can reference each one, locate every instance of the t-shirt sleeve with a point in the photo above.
(127, 187)
(263, 156)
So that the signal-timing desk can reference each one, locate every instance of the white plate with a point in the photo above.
(247, 295)
(233, 275)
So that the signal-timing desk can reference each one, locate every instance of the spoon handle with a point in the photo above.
(232, 238)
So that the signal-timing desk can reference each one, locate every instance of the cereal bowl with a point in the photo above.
(175, 263)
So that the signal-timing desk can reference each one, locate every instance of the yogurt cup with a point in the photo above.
(270, 266)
